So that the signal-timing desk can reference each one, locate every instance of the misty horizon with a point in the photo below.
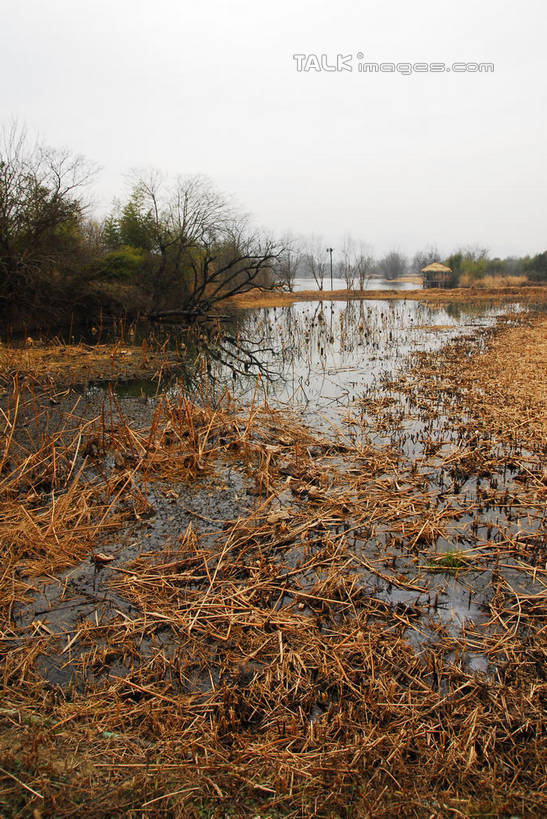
(400, 162)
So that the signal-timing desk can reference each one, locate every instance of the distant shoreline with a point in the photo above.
(264, 298)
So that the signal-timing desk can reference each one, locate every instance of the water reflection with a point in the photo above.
(313, 356)
(324, 353)
(374, 283)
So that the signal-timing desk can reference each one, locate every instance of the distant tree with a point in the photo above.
(474, 265)
(474, 253)
(314, 261)
(357, 264)
(393, 265)
(289, 263)
(515, 265)
(365, 267)
(346, 265)
(536, 268)
(454, 262)
(470, 263)
(424, 257)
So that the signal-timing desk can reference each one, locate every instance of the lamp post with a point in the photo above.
(329, 251)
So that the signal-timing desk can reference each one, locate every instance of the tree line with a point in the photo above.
(172, 245)
(175, 245)
(357, 266)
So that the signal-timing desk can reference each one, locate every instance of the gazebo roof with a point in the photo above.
(436, 267)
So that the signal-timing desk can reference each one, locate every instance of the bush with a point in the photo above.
(122, 265)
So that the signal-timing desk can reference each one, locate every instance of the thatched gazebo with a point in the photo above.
(436, 275)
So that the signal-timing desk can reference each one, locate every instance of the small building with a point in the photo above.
(436, 275)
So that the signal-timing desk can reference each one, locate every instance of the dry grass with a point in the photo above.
(492, 282)
(536, 294)
(66, 364)
(259, 669)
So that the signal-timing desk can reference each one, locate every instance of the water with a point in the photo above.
(341, 284)
(322, 359)
(321, 355)
(315, 357)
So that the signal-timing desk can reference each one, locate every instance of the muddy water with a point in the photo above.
(83, 593)
(323, 359)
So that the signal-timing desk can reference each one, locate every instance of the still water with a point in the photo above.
(319, 356)
(374, 283)
(315, 357)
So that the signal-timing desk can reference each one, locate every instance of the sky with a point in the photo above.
(397, 160)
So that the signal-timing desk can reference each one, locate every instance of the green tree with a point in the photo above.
(124, 264)
(198, 249)
(536, 268)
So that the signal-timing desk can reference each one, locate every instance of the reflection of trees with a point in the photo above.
(292, 345)
(240, 355)
(240, 347)
(457, 310)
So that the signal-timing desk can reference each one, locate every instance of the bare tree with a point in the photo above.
(315, 261)
(347, 264)
(365, 266)
(234, 261)
(318, 268)
(203, 250)
(178, 216)
(41, 207)
(357, 264)
(475, 253)
(289, 263)
(424, 257)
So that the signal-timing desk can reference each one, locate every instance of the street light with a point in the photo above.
(329, 250)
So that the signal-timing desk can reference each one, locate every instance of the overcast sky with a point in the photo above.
(400, 161)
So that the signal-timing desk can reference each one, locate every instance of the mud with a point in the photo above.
(338, 366)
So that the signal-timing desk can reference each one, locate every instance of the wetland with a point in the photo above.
(289, 562)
